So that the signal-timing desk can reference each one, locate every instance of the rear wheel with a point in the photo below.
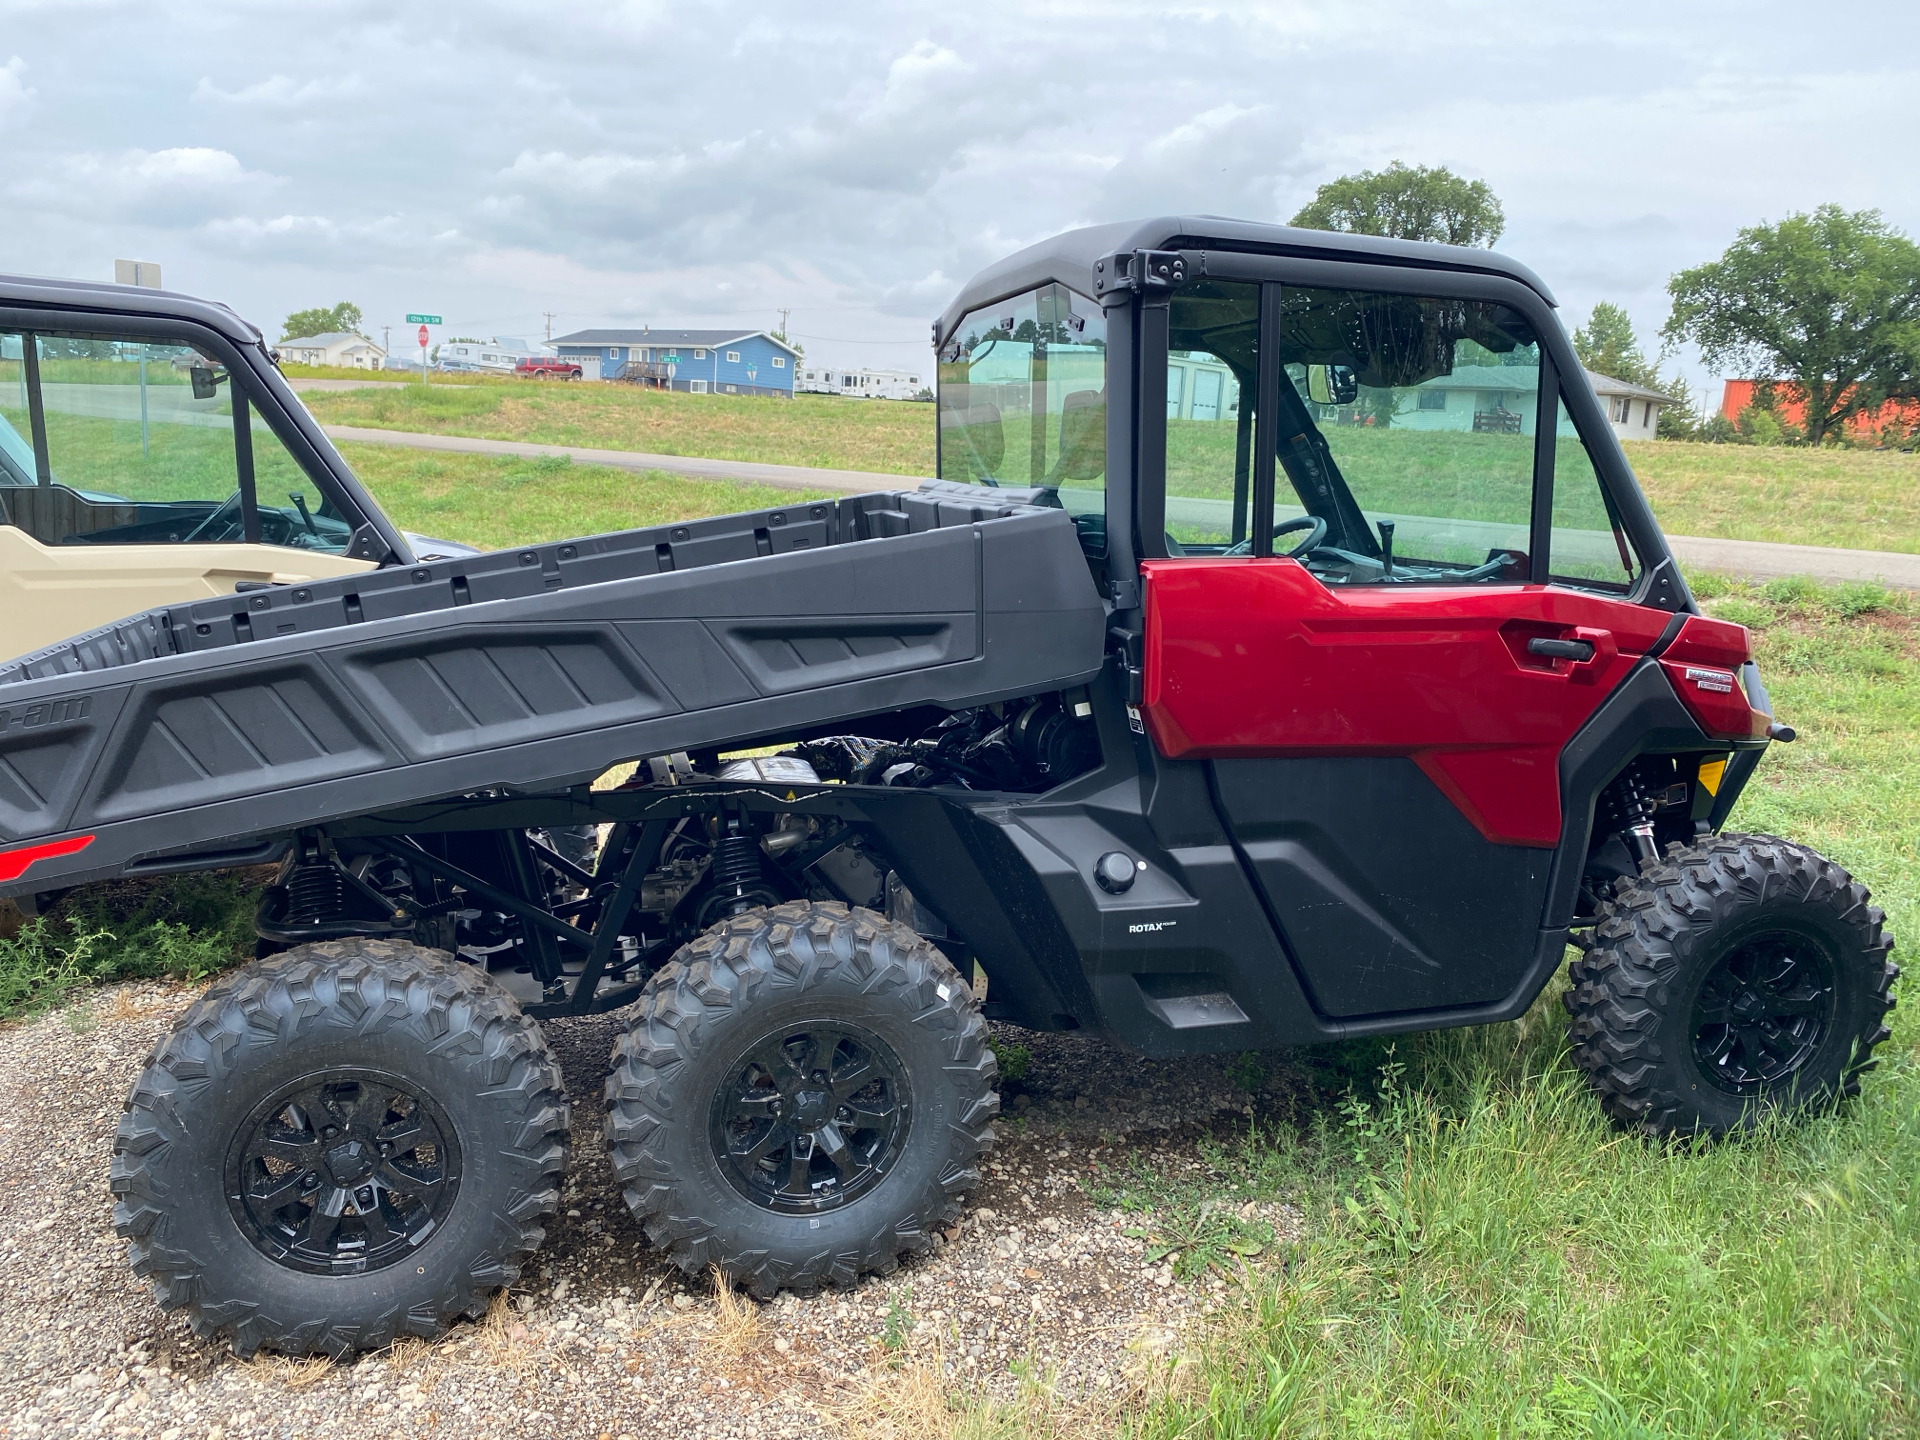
(1742, 975)
(350, 1142)
(803, 1095)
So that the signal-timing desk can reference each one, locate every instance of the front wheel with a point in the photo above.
(804, 1094)
(1741, 975)
(350, 1142)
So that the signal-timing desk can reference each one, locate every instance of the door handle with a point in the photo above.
(1560, 649)
(1587, 652)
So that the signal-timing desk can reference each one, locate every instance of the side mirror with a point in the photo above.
(1332, 384)
(205, 387)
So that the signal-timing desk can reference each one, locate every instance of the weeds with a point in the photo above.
(1246, 1072)
(1012, 1057)
(1195, 1242)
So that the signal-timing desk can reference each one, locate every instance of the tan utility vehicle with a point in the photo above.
(135, 472)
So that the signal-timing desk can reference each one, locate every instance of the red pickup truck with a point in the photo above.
(548, 367)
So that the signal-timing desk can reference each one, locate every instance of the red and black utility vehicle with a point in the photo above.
(1284, 653)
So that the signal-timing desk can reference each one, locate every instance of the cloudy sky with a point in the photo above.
(707, 163)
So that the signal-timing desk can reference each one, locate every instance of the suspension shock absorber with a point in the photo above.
(736, 867)
(1633, 815)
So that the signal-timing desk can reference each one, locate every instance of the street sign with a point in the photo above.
(424, 320)
(423, 335)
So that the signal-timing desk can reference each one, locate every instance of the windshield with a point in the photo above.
(1023, 402)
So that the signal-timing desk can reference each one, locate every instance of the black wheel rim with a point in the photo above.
(812, 1116)
(343, 1172)
(1762, 1013)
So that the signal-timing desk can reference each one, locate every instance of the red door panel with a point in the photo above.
(1253, 657)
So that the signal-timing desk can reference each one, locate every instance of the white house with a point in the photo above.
(336, 347)
(1632, 410)
(861, 381)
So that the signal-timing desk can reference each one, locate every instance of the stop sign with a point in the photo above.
(423, 337)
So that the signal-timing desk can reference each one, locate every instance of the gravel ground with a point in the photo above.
(603, 1338)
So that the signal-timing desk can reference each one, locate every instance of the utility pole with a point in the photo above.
(549, 314)
(783, 325)
(386, 342)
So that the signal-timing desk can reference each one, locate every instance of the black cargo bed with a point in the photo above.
(196, 727)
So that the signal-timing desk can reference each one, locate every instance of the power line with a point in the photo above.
(845, 340)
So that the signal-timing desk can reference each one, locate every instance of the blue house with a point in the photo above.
(698, 362)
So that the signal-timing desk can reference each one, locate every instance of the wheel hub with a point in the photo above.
(1763, 1012)
(342, 1172)
(811, 1117)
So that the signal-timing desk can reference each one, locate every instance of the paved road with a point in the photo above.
(1753, 559)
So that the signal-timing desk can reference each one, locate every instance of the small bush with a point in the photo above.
(1857, 597)
(1246, 1071)
(45, 963)
(1013, 1058)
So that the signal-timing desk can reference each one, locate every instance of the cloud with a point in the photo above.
(279, 92)
(182, 186)
(15, 93)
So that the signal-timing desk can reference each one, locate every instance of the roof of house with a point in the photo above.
(700, 339)
(332, 337)
(1607, 385)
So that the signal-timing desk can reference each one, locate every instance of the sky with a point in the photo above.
(709, 164)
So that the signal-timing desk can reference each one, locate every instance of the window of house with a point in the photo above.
(733, 357)
(779, 362)
(699, 354)
(1433, 399)
(697, 387)
(1646, 420)
(733, 389)
(1619, 409)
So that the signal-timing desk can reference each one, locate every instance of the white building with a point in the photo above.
(336, 347)
(865, 383)
(1632, 410)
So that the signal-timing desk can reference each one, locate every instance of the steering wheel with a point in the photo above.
(1316, 526)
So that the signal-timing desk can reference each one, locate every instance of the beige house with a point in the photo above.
(343, 348)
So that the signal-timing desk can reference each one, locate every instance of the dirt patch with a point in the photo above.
(1037, 1290)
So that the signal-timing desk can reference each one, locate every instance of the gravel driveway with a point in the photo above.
(603, 1337)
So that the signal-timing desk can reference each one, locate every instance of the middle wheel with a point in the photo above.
(803, 1094)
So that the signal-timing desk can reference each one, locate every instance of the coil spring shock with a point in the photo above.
(1632, 816)
(736, 863)
(315, 893)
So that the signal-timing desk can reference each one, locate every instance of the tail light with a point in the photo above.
(1703, 665)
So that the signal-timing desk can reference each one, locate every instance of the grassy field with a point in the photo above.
(1486, 1257)
(1866, 500)
(494, 501)
(890, 437)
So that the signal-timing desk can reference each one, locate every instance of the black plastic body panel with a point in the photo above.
(417, 689)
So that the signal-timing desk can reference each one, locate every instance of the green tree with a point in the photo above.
(1607, 346)
(1827, 303)
(1408, 202)
(343, 319)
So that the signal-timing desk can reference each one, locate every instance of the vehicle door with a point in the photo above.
(134, 473)
(1388, 588)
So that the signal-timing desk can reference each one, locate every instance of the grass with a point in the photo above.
(185, 928)
(1486, 1256)
(1856, 499)
(494, 501)
(825, 431)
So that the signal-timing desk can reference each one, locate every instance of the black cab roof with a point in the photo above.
(37, 292)
(1070, 257)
